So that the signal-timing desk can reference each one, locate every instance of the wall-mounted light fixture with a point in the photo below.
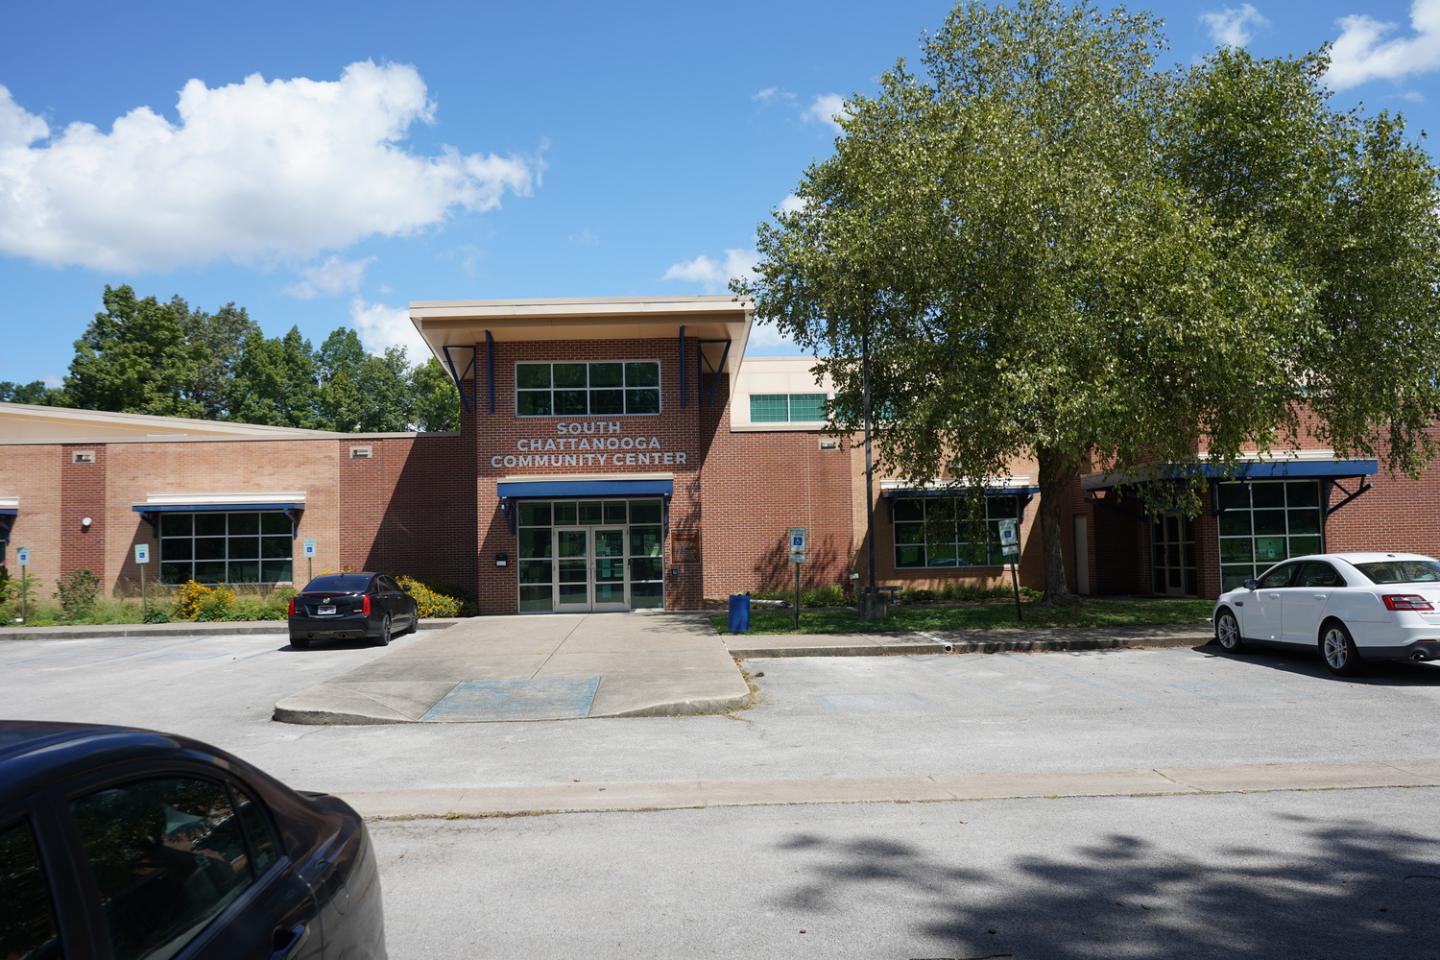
(85, 522)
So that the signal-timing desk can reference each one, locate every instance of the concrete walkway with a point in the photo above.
(998, 640)
(552, 667)
(697, 794)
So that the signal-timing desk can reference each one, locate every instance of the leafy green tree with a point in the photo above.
(134, 358)
(435, 403)
(216, 341)
(385, 392)
(276, 382)
(339, 363)
(34, 392)
(1053, 248)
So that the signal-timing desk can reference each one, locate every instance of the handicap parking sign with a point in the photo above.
(22, 556)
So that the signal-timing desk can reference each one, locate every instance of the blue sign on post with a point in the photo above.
(309, 548)
(142, 553)
(22, 556)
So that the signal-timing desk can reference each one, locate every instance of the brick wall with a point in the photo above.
(82, 494)
(32, 473)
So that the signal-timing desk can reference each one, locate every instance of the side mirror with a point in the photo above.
(1252, 584)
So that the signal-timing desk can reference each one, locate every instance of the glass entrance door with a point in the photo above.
(608, 547)
(1172, 559)
(572, 568)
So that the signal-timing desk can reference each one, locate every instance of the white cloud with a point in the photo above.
(381, 327)
(792, 204)
(329, 278)
(765, 338)
(53, 380)
(713, 275)
(1234, 26)
(1362, 53)
(825, 109)
(251, 170)
(773, 94)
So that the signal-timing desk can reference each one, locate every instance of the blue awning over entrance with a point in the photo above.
(522, 489)
(1297, 469)
(213, 507)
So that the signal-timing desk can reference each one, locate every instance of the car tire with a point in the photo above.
(300, 643)
(1227, 632)
(385, 634)
(1337, 648)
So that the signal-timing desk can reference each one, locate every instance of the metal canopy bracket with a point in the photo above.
(490, 368)
(683, 365)
(1349, 495)
(703, 366)
(467, 398)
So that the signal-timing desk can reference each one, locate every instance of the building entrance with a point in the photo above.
(577, 556)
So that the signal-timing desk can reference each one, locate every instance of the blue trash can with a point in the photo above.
(739, 612)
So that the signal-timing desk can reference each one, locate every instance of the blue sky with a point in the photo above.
(387, 153)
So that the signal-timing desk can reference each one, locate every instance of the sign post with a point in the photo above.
(1010, 548)
(142, 560)
(309, 560)
(797, 556)
(22, 555)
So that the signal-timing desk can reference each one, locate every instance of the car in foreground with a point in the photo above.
(351, 606)
(125, 843)
(1350, 607)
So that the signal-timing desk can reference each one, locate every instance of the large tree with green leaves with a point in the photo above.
(1057, 249)
(134, 357)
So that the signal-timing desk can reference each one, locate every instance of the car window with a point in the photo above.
(1279, 577)
(1317, 574)
(338, 583)
(1401, 571)
(388, 585)
(259, 834)
(167, 856)
(27, 923)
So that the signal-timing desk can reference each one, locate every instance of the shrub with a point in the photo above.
(77, 594)
(428, 602)
(919, 595)
(218, 604)
(16, 595)
(156, 615)
(188, 600)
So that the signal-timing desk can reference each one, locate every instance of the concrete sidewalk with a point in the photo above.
(998, 640)
(184, 628)
(697, 794)
(550, 667)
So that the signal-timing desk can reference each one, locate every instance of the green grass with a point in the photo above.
(982, 616)
(116, 611)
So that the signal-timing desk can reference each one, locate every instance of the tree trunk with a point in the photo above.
(1056, 475)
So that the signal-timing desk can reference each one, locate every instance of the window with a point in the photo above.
(644, 559)
(259, 834)
(339, 583)
(1265, 521)
(1279, 577)
(1401, 571)
(939, 531)
(250, 547)
(27, 924)
(168, 855)
(606, 388)
(1317, 574)
(787, 407)
(1172, 555)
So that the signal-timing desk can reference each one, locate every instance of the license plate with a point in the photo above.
(325, 611)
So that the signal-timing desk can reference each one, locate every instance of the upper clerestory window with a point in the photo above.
(605, 388)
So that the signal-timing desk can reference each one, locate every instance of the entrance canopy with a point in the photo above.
(633, 485)
(1292, 465)
(290, 502)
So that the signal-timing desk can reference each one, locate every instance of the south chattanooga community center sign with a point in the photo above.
(599, 444)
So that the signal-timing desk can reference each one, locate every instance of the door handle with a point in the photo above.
(287, 942)
(1321, 596)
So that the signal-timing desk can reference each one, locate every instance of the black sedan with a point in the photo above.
(351, 606)
(119, 843)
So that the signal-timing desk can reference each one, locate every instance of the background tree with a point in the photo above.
(435, 403)
(134, 358)
(276, 382)
(35, 392)
(216, 341)
(1058, 250)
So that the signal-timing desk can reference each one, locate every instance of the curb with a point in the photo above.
(139, 630)
(955, 647)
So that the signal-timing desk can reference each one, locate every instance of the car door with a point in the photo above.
(393, 601)
(29, 926)
(1307, 599)
(1262, 615)
(179, 864)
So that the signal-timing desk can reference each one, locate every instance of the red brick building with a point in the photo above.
(620, 454)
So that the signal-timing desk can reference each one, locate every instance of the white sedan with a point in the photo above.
(1352, 607)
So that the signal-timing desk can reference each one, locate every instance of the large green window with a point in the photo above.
(606, 388)
(1265, 521)
(940, 532)
(787, 407)
(214, 547)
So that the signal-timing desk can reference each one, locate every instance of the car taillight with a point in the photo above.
(365, 605)
(292, 606)
(1405, 601)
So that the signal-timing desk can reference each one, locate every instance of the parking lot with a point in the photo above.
(842, 717)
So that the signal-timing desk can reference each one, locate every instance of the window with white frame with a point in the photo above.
(603, 388)
(940, 531)
(225, 547)
(1265, 521)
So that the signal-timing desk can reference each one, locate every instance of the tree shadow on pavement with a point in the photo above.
(1355, 892)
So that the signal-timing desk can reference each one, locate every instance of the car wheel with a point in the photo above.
(300, 643)
(1227, 632)
(385, 631)
(1338, 649)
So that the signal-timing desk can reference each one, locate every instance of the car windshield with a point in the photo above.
(339, 583)
(1401, 571)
